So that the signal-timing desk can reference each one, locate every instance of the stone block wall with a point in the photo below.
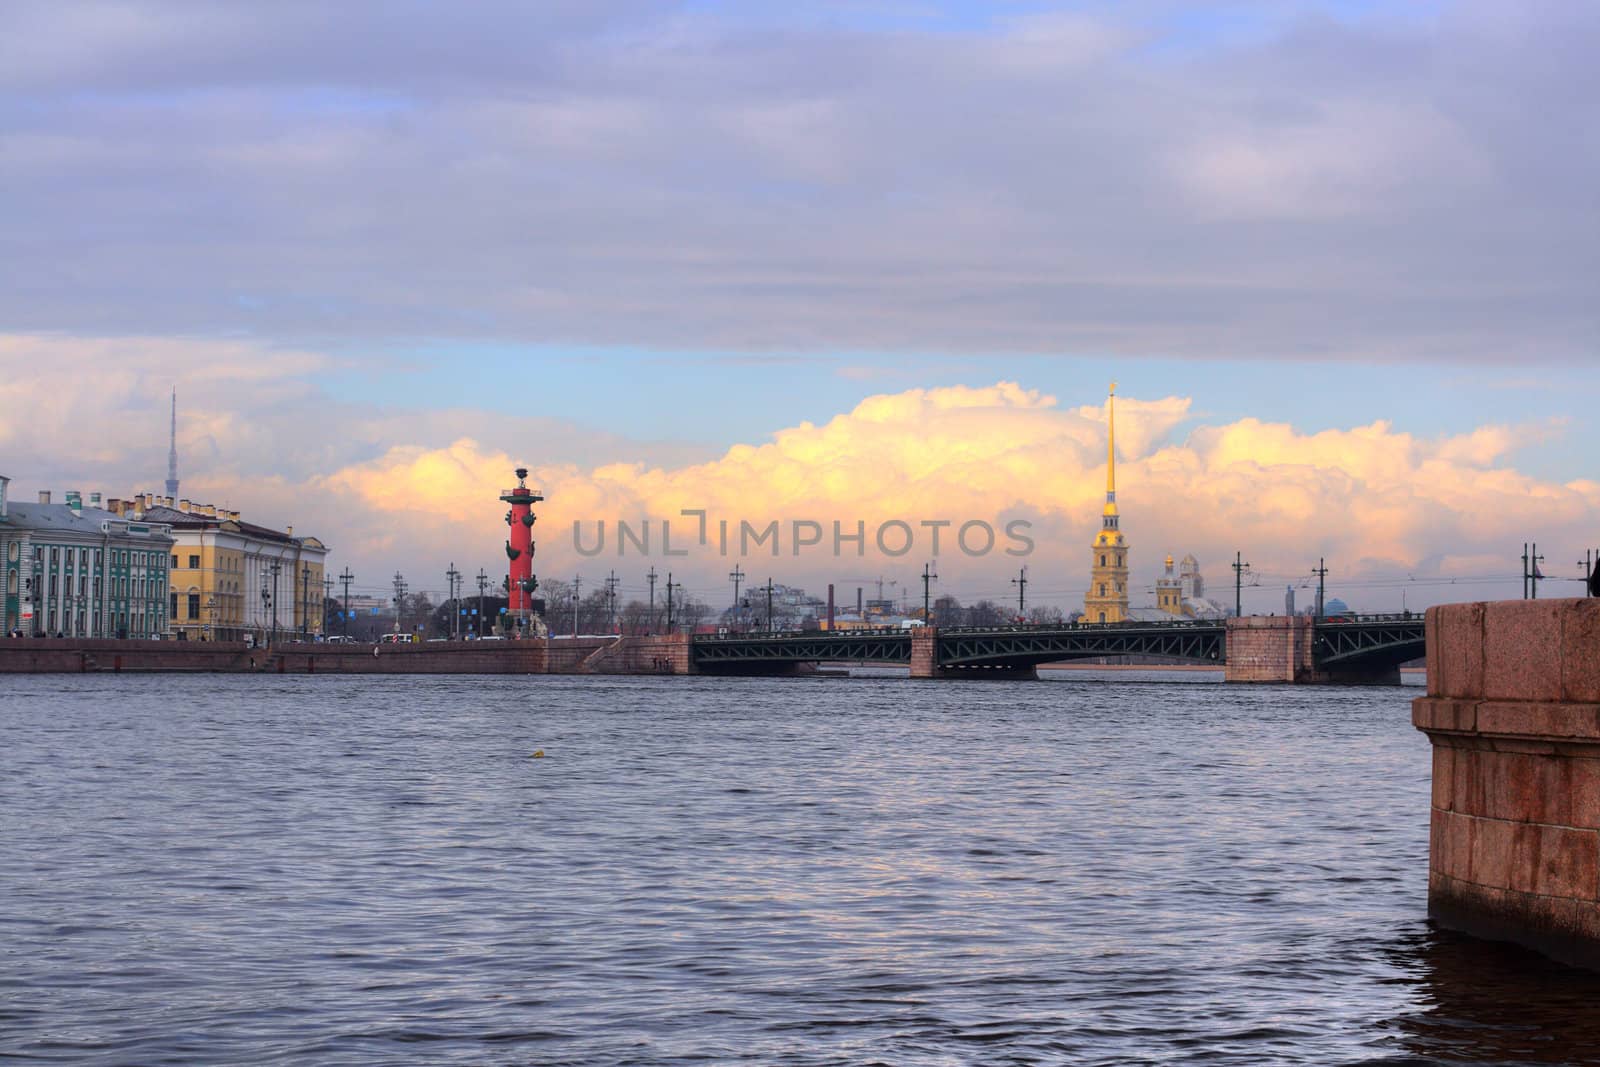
(1513, 712)
(925, 652)
(1270, 648)
(44, 655)
(644, 654)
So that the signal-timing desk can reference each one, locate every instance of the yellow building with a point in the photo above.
(1107, 599)
(1169, 591)
(230, 578)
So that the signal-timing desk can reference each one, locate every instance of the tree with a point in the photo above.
(1045, 615)
(418, 609)
(987, 613)
(947, 611)
(690, 612)
(635, 617)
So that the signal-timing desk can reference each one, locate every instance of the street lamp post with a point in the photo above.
(277, 567)
(453, 576)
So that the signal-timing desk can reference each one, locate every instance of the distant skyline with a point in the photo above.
(1341, 256)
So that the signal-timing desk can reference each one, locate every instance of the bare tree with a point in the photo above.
(635, 617)
(987, 613)
(690, 613)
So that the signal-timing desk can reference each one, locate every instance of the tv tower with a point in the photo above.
(172, 452)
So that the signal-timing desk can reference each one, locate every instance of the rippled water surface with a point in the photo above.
(199, 869)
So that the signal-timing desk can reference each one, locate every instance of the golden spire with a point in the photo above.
(1111, 451)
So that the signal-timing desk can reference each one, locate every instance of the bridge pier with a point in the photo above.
(1282, 649)
(925, 652)
(1272, 648)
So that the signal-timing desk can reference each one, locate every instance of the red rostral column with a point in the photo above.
(520, 583)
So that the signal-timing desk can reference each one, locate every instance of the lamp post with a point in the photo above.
(277, 567)
(453, 577)
(483, 581)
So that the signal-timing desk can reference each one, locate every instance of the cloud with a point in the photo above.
(254, 422)
(405, 490)
(1372, 499)
(1118, 179)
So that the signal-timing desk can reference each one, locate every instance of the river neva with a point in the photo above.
(224, 869)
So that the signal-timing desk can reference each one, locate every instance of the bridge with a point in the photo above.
(1363, 649)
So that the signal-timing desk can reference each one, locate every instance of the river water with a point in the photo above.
(325, 870)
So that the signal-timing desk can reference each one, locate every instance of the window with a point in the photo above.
(1102, 559)
(174, 604)
(55, 557)
(174, 562)
(1102, 593)
(194, 605)
(1102, 616)
(194, 563)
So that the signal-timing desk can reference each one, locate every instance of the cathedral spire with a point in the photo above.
(1107, 598)
(172, 451)
(1111, 453)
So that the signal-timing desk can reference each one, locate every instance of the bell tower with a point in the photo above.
(1107, 599)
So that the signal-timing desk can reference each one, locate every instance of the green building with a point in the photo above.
(81, 571)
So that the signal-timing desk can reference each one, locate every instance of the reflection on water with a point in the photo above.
(1486, 1002)
(204, 870)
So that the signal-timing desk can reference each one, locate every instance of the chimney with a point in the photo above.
(75, 501)
(183, 506)
(210, 511)
(290, 531)
(94, 500)
(44, 496)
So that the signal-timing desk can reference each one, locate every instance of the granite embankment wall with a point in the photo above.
(666, 654)
(1513, 712)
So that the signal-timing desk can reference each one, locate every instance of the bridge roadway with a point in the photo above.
(1339, 649)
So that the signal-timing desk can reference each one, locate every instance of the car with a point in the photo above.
(341, 639)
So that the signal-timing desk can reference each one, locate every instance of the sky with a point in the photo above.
(821, 263)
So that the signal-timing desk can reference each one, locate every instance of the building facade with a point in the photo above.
(1169, 591)
(231, 579)
(82, 571)
(1107, 599)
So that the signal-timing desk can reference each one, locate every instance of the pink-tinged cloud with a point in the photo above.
(1369, 498)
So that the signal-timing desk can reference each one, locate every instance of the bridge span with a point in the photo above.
(1346, 650)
